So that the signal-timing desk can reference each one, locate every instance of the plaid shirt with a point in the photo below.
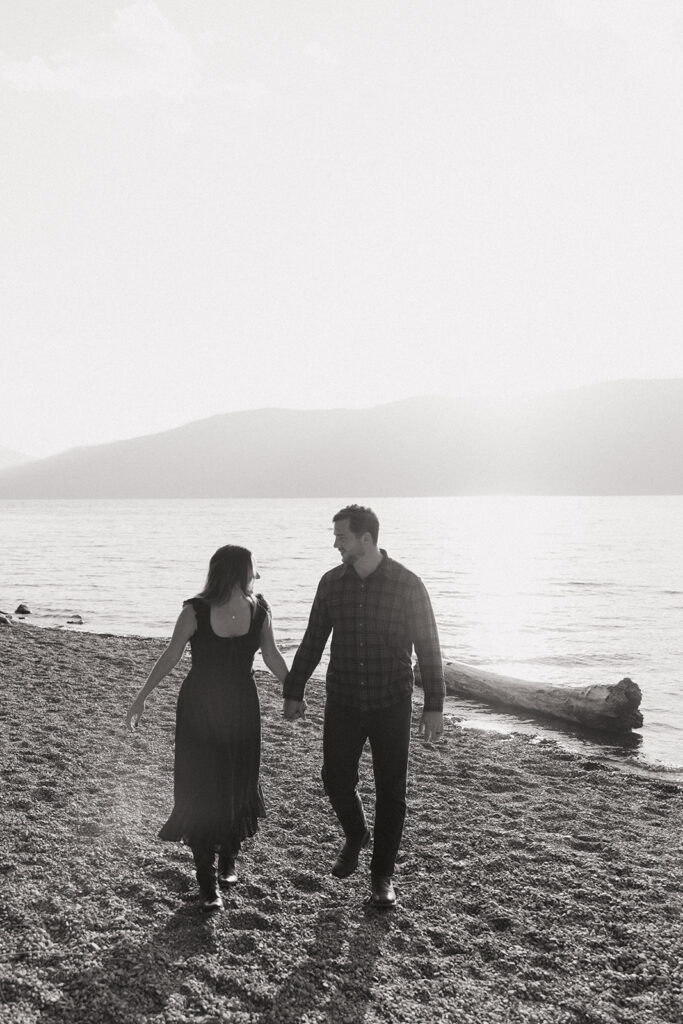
(374, 624)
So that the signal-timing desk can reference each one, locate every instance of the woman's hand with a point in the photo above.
(293, 710)
(182, 631)
(135, 712)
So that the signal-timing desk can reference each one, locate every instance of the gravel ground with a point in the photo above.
(535, 885)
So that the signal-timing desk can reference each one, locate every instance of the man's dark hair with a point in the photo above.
(361, 520)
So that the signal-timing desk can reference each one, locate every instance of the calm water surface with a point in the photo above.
(568, 590)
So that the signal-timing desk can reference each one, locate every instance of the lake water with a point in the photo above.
(556, 589)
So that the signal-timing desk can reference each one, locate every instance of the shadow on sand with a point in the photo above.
(198, 967)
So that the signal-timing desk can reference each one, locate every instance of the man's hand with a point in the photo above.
(294, 709)
(431, 725)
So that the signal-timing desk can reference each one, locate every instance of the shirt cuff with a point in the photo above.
(433, 705)
(291, 689)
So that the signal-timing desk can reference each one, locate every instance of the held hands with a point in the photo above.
(431, 725)
(294, 710)
(135, 713)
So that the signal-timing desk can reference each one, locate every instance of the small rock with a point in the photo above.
(75, 620)
(23, 610)
(5, 620)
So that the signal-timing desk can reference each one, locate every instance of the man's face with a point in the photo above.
(349, 546)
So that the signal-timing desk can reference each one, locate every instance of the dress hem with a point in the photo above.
(198, 835)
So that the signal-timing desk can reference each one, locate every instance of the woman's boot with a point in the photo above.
(227, 875)
(206, 877)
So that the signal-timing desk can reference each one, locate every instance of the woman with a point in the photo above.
(217, 794)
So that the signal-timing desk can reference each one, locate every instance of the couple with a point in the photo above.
(377, 611)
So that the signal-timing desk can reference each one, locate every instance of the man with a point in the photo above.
(377, 611)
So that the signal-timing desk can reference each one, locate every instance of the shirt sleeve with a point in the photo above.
(311, 649)
(425, 637)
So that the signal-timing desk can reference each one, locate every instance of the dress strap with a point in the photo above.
(202, 612)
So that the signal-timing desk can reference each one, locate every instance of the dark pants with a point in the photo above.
(344, 735)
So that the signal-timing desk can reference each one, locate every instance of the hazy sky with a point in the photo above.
(210, 205)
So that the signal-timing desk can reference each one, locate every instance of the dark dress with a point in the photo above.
(218, 738)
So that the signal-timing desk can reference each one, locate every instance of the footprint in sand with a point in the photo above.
(176, 878)
(243, 943)
(251, 920)
(586, 842)
(501, 923)
(307, 883)
(257, 892)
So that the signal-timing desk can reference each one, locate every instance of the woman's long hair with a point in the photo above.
(229, 566)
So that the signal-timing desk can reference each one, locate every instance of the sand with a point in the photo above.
(534, 884)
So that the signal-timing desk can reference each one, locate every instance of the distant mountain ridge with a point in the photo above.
(10, 457)
(622, 437)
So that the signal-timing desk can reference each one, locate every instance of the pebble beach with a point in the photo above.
(534, 884)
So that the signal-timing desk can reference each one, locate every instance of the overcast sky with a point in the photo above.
(210, 205)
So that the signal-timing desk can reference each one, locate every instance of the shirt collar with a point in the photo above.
(384, 568)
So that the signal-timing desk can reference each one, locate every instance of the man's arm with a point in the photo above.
(425, 638)
(311, 649)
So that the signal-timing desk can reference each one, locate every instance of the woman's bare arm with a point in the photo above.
(270, 651)
(182, 631)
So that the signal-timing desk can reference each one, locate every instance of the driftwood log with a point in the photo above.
(610, 707)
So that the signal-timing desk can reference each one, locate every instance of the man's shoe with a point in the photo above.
(211, 901)
(382, 894)
(347, 860)
(226, 871)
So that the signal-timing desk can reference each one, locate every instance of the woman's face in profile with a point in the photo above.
(252, 575)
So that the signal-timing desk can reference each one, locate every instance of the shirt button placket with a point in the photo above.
(361, 636)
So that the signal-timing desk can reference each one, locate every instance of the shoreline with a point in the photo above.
(534, 884)
(486, 717)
